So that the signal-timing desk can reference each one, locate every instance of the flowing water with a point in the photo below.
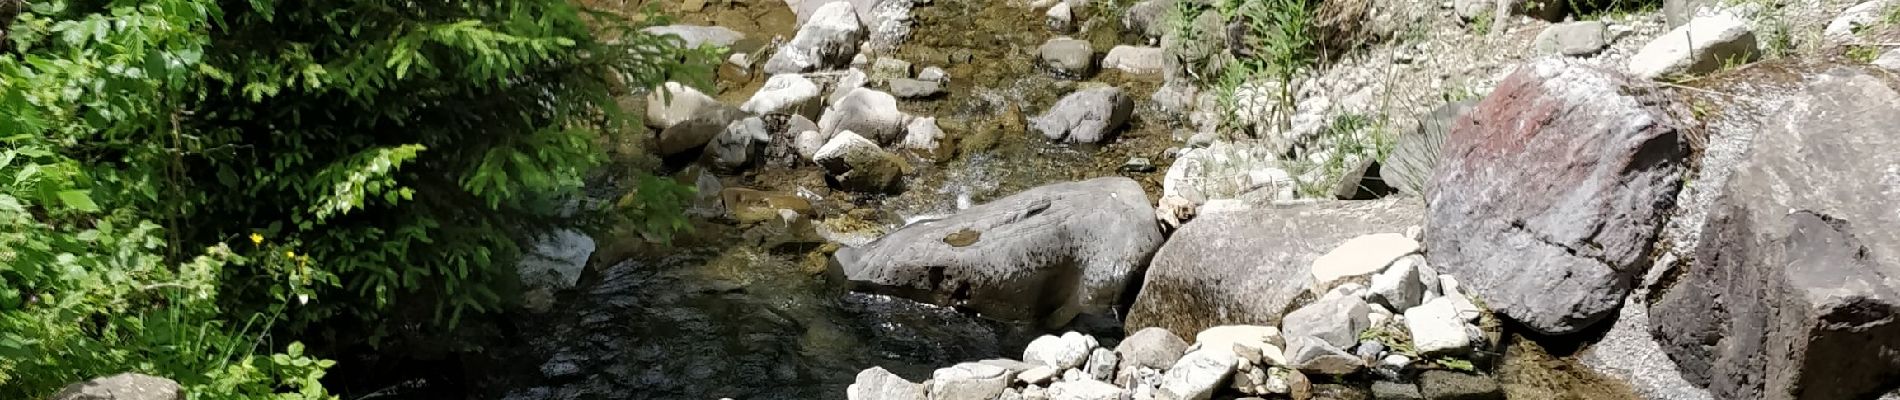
(722, 313)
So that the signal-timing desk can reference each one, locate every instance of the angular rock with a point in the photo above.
(1085, 390)
(1068, 58)
(1047, 254)
(1790, 293)
(127, 386)
(1064, 352)
(673, 103)
(1387, 390)
(967, 381)
(1089, 116)
(906, 88)
(922, 134)
(1336, 320)
(786, 93)
(1060, 18)
(845, 83)
(1314, 356)
(1361, 256)
(741, 145)
(692, 135)
(695, 36)
(556, 260)
(859, 165)
(878, 384)
(828, 40)
(1448, 385)
(1247, 267)
(1437, 328)
(1197, 375)
(1400, 286)
(934, 74)
(1574, 39)
(1551, 193)
(1101, 365)
(888, 68)
(870, 113)
(1152, 347)
(1039, 375)
(1848, 26)
(1889, 61)
(1135, 60)
(1702, 46)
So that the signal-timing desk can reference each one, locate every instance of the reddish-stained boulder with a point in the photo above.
(1549, 194)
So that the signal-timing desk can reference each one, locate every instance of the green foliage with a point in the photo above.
(1482, 23)
(374, 154)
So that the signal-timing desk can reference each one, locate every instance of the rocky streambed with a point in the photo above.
(996, 199)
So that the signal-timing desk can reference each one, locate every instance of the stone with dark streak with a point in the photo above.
(1549, 195)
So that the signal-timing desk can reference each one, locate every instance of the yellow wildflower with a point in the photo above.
(290, 254)
(257, 239)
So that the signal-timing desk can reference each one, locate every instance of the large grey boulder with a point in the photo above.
(1704, 45)
(1067, 58)
(1247, 267)
(1136, 59)
(878, 384)
(870, 113)
(827, 41)
(127, 386)
(1048, 253)
(1550, 194)
(1791, 293)
(1088, 116)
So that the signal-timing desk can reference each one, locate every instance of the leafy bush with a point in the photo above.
(182, 181)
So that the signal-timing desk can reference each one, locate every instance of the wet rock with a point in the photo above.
(878, 384)
(1085, 390)
(1336, 320)
(1549, 229)
(1154, 348)
(1386, 390)
(556, 260)
(1361, 256)
(1702, 46)
(706, 187)
(858, 164)
(888, 68)
(1088, 116)
(1574, 39)
(934, 74)
(1048, 253)
(906, 88)
(1068, 58)
(1314, 356)
(1197, 375)
(786, 93)
(1135, 60)
(828, 40)
(1101, 365)
(127, 386)
(1847, 27)
(870, 113)
(1064, 352)
(741, 145)
(1414, 158)
(1247, 267)
(1437, 329)
(967, 381)
(922, 134)
(694, 36)
(1400, 286)
(1790, 292)
(673, 103)
(1447, 385)
(1060, 18)
(1148, 18)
